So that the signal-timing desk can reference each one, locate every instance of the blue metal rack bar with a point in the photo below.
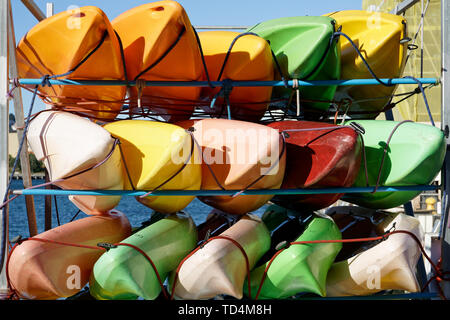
(352, 82)
(220, 192)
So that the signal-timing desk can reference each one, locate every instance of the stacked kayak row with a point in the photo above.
(293, 250)
(156, 42)
(221, 154)
(248, 257)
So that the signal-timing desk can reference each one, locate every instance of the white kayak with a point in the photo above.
(389, 265)
(70, 147)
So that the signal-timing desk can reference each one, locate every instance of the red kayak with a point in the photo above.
(317, 157)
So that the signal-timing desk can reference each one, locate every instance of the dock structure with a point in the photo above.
(445, 115)
(7, 68)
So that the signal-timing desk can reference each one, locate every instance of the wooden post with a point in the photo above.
(47, 205)
(4, 128)
(48, 198)
(20, 122)
(34, 9)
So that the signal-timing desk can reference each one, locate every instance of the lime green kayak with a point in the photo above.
(415, 156)
(300, 267)
(124, 273)
(304, 51)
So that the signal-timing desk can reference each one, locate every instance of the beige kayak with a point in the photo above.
(219, 267)
(389, 265)
(238, 155)
(42, 270)
(68, 145)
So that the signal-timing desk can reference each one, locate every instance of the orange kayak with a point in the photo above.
(249, 59)
(160, 45)
(45, 271)
(59, 44)
(238, 155)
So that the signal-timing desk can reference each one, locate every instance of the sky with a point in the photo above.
(200, 12)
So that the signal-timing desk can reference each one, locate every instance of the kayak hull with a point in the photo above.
(46, 271)
(70, 145)
(319, 60)
(219, 266)
(80, 32)
(237, 155)
(379, 34)
(160, 155)
(251, 60)
(302, 267)
(317, 159)
(124, 273)
(415, 156)
(160, 45)
(389, 265)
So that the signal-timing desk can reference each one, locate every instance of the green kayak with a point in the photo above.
(304, 51)
(124, 273)
(300, 267)
(415, 156)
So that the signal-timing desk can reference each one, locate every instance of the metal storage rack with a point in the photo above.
(8, 68)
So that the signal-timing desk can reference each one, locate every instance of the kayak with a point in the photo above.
(219, 266)
(78, 155)
(46, 271)
(160, 45)
(305, 50)
(250, 59)
(355, 223)
(415, 156)
(82, 41)
(301, 267)
(238, 155)
(379, 37)
(317, 158)
(158, 154)
(389, 265)
(124, 273)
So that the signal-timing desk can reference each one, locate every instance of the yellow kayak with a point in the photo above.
(378, 37)
(160, 44)
(249, 59)
(155, 154)
(59, 44)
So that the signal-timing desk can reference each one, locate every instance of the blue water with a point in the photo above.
(136, 212)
